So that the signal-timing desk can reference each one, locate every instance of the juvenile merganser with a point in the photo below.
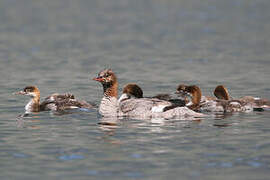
(134, 107)
(218, 90)
(257, 103)
(132, 90)
(218, 105)
(221, 92)
(109, 103)
(55, 102)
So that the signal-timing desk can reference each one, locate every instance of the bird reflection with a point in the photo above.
(25, 118)
(109, 125)
(219, 120)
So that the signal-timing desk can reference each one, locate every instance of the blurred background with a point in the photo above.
(60, 45)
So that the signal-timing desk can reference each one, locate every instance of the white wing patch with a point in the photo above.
(123, 96)
(234, 103)
(73, 107)
(158, 109)
(189, 103)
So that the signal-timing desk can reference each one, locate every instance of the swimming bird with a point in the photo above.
(134, 107)
(259, 104)
(216, 105)
(132, 90)
(54, 102)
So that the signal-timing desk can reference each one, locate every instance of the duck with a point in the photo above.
(54, 102)
(132, 90)
(223, 103)
(218, 92)
(221, 92)
(131, 106)
(180, 98)
(259, 104)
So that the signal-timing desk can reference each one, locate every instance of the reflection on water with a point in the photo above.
(61, 45)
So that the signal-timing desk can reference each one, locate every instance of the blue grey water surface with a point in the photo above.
(60, 45)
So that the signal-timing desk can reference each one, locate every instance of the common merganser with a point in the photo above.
(54, 102)
(257, 102)
(132, 90)
(221, 92)
(109, 104)
(217, 92)
(218, 105)
(134, 107)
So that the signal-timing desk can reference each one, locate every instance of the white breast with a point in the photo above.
(108, 106)
(29, 106)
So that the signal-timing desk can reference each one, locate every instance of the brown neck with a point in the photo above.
(222, 93)
(111, 90)
(35, 107)
(196, 96)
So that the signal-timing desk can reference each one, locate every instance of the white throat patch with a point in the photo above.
(123, 97)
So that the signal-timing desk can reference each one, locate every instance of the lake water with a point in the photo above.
(61, 45)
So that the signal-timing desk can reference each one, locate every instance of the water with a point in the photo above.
(61, 45)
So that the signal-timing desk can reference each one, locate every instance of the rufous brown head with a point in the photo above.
(106, 77)
(221, 92)
(32, 91)
(134, 90)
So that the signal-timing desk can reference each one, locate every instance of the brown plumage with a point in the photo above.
(55, 102)
(218, 105)
(134, 90)
(127, 105)
(196, 93)
(222, 93)
(109, 82)
(259, 104)
(109, 103)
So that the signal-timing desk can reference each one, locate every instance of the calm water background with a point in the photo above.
(61, 45)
